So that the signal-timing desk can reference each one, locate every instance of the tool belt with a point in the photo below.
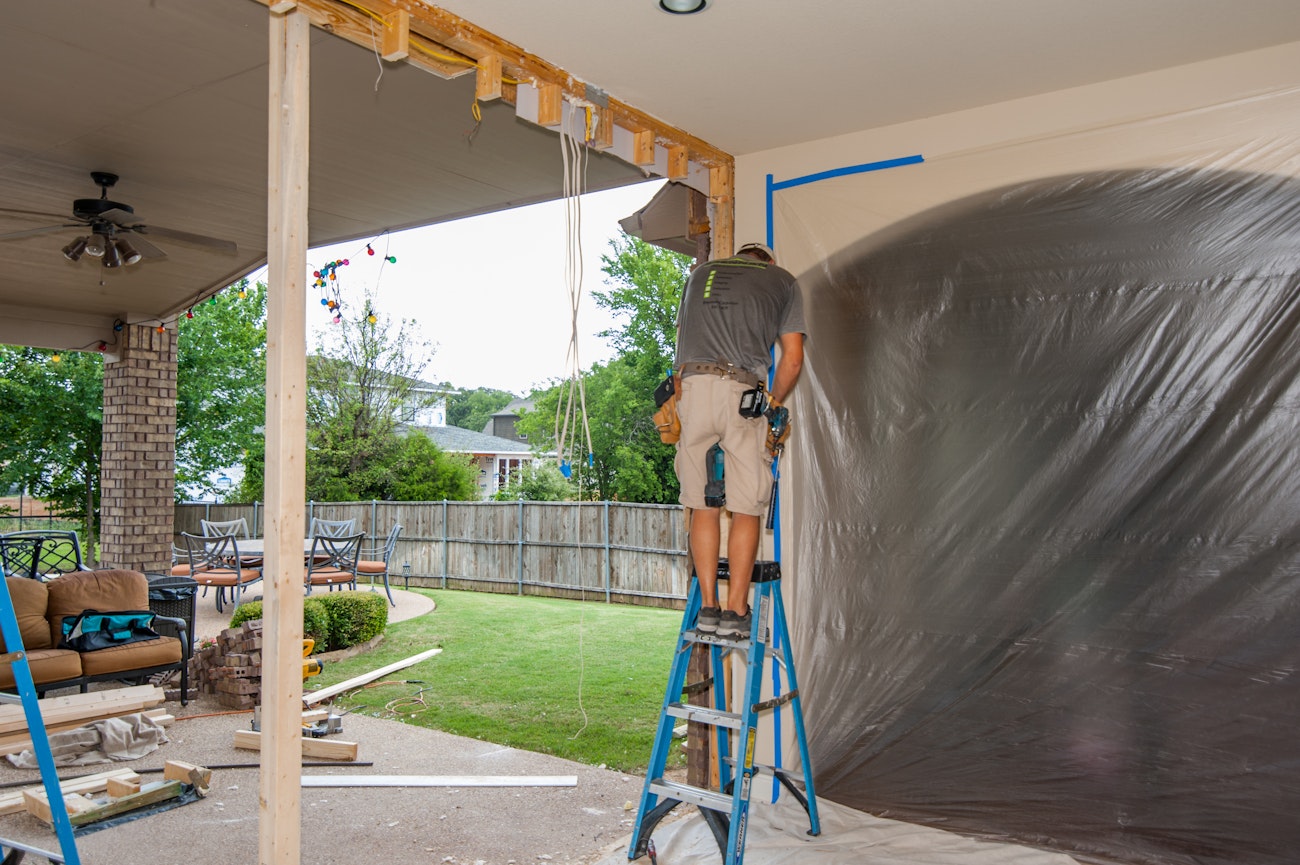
(727, 370)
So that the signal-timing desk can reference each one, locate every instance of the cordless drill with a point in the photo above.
(715, 490)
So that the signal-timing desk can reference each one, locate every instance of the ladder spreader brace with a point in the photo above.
(726, 810)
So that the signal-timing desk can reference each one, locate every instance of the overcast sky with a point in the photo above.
(491, 292)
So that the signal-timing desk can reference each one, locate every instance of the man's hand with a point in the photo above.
(778, 429)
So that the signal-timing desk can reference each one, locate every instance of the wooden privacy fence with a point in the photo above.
(631, 553)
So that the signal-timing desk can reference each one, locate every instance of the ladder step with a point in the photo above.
(704, 715)
(714, 640)
(691, 795)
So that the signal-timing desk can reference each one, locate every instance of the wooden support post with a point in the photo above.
(678, 164)
(602, 133)
(550, 105)
(643, 147)
(396, 41)
(722, 191)
(288, 152)
(487, 83)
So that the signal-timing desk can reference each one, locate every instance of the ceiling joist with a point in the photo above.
(449, 46)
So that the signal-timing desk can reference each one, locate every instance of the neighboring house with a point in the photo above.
(502, 424)
(497, 458)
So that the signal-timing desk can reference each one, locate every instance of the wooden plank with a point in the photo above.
(678, 162)
(440, 780)
(16, 743)
(52, 708)
(149, 795)
(118, 787)
(487, 82)
(12, 803)
(179, 770)
(550, 105)
(325, 749)
(288, 164)
(357, 681)
(396, 41)
(602, 135)
(722, 190)
(39, 807)
(643, 147)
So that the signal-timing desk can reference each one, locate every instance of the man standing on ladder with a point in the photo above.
(733, 311)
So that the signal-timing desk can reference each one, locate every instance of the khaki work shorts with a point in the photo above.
(709, 408)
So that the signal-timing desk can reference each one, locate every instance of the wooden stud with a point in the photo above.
(365, 678)
(550, 105)
(288, 166)
(722, 191)
(487, 83)
(324, 749)
(602, 135)
(148, 795)
(118, 787)
(179, 770)
(279, 7)
(12, 803)
(678, 162)
(643, 147)
(396, 41)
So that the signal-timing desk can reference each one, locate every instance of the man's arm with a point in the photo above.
(788, 367)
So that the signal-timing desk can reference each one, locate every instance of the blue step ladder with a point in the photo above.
(726, 809)
(16, 655)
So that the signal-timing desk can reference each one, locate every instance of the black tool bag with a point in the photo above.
(91, 629)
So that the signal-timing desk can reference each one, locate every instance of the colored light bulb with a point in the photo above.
(392, 259)
(369, 251)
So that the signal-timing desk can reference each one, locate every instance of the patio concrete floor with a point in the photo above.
(453, 825)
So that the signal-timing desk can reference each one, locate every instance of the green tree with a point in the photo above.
(426, 473)
(52, 429)
(628, 461)
(537, 481)
(221, 387)
(472, 409)
(362, 383)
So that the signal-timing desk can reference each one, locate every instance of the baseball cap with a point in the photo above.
(758, 247)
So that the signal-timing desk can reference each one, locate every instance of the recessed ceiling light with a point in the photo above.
(683, 7)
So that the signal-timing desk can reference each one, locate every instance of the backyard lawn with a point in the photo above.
(582, 681)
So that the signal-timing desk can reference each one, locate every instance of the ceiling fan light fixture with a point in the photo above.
(96, 244)
(74, 250)
(112, 256)
(130, 255)
(683, 7)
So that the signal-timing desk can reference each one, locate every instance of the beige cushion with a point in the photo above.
(106, 591)
(31, 601)
(47, 665)
(132, 656)
(364, 567)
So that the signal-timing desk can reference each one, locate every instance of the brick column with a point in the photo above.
(138, 471)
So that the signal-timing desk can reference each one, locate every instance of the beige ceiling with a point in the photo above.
(171, 95)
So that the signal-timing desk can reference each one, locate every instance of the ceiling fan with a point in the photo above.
(109, 223)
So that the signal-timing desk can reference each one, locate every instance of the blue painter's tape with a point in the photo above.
(841, 172)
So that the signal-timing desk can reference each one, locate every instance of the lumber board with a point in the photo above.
(59, 709)
(12, 803)
(39, 807)
(188, 773)
(357, 681)
(325, 749)
(16, 744)
(147, 796)
(440, 780)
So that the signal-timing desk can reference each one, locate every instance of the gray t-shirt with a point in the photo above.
(734, 309)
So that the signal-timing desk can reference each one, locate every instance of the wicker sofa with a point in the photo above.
(41, 606)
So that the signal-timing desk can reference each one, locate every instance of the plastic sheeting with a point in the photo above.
(1046, 514)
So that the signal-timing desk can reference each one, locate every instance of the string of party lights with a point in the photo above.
(331, 287)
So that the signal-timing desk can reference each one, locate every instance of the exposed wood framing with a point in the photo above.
(288, 157)
(488, 82)
(449, 46)
(722, 191)
(550, 105)
(396, 41)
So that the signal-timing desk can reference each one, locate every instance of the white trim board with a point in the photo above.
(440, 780)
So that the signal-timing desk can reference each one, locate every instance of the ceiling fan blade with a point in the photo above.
(17, 211)
(147, 249)
(227, 246)
(32, 232)
(118, 216)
